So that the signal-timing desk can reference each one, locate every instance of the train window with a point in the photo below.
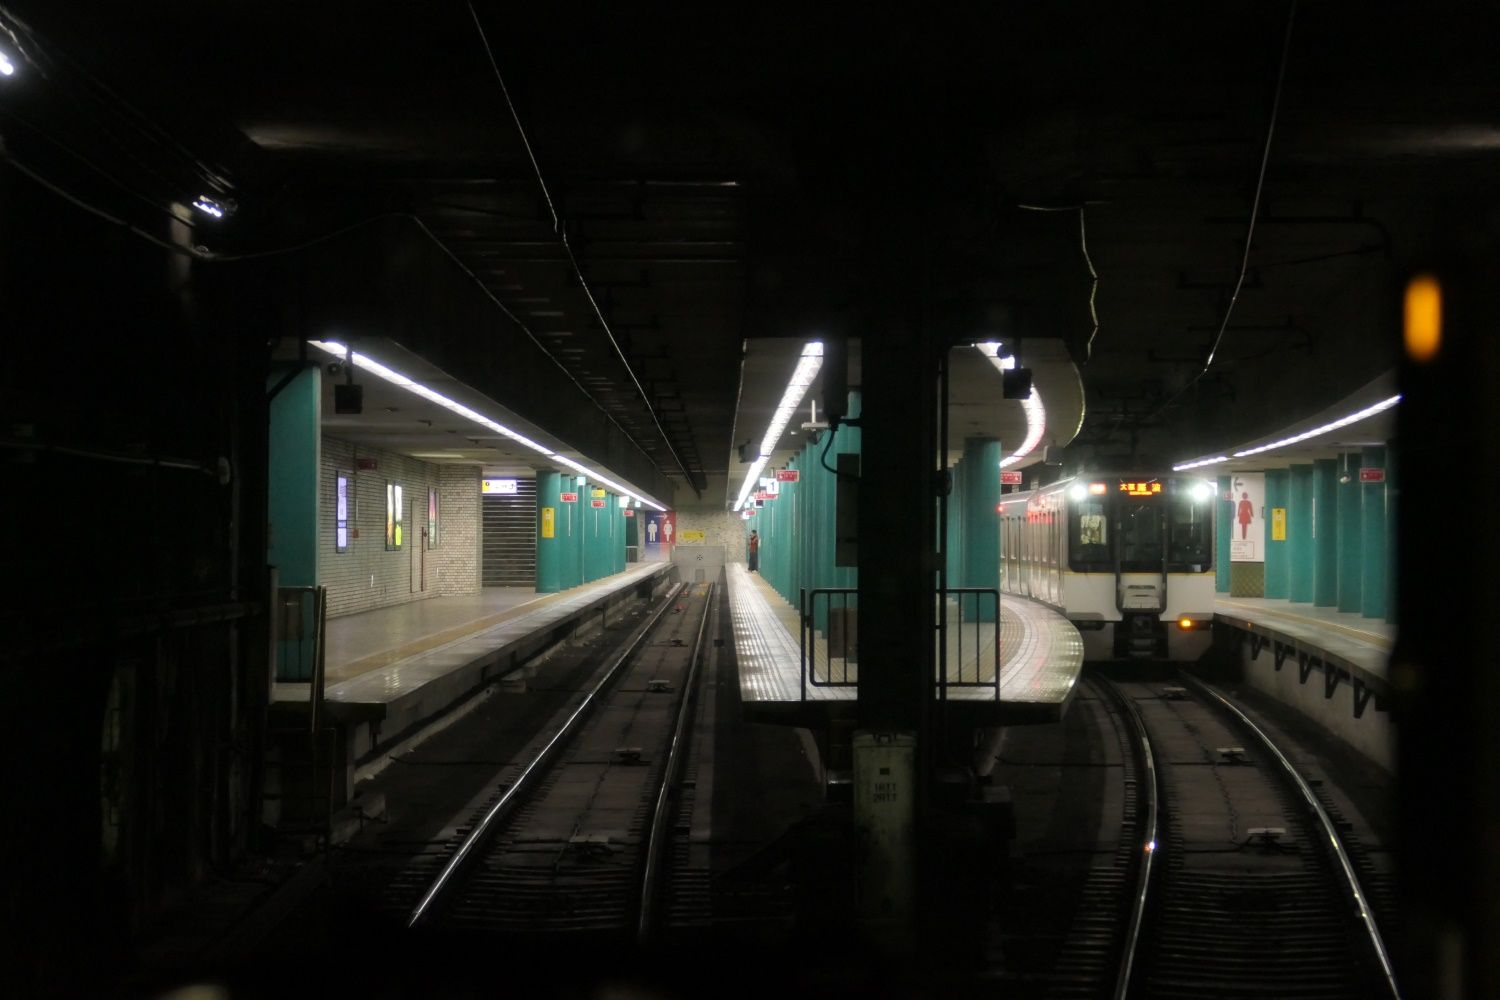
(1190, 541)
(1089, 548)
(1140, 538)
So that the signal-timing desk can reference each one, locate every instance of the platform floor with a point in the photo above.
(406, 652)
(366, 641)
(1365, 642)
(1042, 653)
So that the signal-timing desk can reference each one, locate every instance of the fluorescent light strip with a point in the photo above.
(1036, 413)
(396, 378)
(750, 478)
(1353, 418)
(1200, 463)
(801, 380)
(803, 376)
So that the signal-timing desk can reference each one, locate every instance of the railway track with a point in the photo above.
(576, 837)
(1240, 883)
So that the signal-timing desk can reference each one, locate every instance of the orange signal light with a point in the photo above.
(1424, 318)
(1097, 489)
(1185, 624)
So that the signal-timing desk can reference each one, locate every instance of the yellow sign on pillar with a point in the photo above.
(1278, 524)
(549, 522)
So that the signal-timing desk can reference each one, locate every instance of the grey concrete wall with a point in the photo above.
(1372, 734)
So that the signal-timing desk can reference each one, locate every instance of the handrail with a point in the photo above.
(1150, 793)
(529, 774)
(1335, 843)
(651, 871)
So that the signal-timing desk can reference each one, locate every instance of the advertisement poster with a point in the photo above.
(660, 531)
(1247, 517)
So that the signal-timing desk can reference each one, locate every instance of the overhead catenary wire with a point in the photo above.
(559, 227)
(1260, 182)
(1083, 244)
(209, 257)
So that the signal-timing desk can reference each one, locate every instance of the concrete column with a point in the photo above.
(573, 567)
(1392, 492)
(1299, 534)
(981, 551)
(296, 443)
(953, 543)
(1350, 534)
(1278, 559)
(1223, 532)
(1325, 533)
(295, 452)
(1372, 584)
(549, 545)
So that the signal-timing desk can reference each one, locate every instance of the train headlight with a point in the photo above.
(1078, 492)
(1202, 491)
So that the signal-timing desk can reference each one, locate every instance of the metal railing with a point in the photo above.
(828, 639)
(978, 613)
(829, 614)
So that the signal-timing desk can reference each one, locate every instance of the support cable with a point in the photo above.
(560, 228)
(1260, 181)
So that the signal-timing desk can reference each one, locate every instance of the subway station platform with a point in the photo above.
(391, 671)
(1341, 646)
(1041, 656)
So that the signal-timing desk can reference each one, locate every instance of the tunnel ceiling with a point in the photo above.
(817, 175)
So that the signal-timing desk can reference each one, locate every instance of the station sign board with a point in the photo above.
(788, 475)
(1010, 477)
(596, 503)
(491, 487)
(1372, 475)
(569, 498)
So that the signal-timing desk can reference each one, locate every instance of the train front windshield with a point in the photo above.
(1132, 527)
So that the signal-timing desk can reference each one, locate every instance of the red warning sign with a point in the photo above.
(1010, 477)
(1372, 475)
(788, 475)
(629, 512)
(569, 498)
(596, 503)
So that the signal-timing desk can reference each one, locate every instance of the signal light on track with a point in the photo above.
(1185, 624)
(1423, 333)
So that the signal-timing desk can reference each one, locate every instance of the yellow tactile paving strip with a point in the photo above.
(1042, 651)
(1326, 621)
(356, 668)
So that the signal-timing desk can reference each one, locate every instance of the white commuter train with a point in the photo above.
(1127, 557)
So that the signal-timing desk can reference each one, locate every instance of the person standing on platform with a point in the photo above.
(754, 550)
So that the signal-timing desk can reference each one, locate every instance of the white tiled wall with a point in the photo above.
(719, 527)
(367, 576)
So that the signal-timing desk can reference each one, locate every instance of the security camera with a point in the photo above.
(335, 368)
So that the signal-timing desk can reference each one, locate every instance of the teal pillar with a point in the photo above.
(292, 493)
(1350, 534)
(1223, 533)
(1392, 492)
(1325, 533)
(570, 535)
(981, 543)
(1278, 561)
(549, 545)
(1299, 534)
(633, 534)
(593, 544)
(1372, 585)
(619, 521)
(292, 507)
(953, 542)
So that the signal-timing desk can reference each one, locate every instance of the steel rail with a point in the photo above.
(671, 774)
(1335, 843)
(491, 821)
(1151, 809)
